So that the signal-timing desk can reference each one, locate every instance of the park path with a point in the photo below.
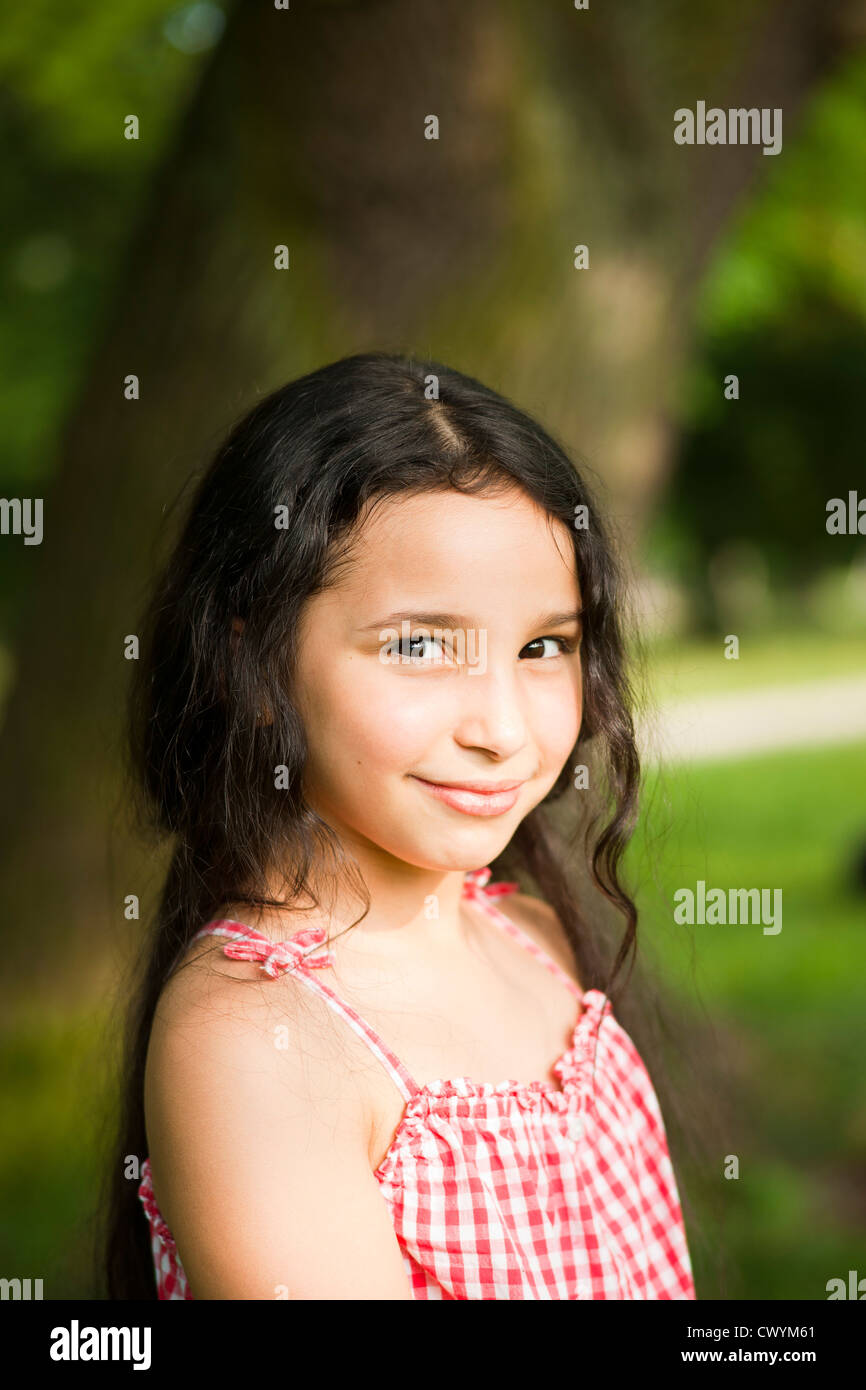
(712, 727)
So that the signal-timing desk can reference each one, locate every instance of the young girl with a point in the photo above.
(385, 646)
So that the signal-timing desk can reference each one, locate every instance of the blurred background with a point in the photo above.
(154, 256)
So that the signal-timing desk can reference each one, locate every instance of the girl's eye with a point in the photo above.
(412, 650)
(565, 646)
(430, 651)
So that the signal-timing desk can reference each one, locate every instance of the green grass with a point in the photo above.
(795, 1001)
(680, 670)
(50, 1066)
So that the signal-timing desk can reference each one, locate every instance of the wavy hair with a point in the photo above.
(199, 758)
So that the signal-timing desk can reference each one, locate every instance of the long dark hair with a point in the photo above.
(269, 525)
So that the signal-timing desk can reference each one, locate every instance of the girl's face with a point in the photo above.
(488, 692)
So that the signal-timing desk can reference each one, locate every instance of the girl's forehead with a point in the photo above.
(444, 521)
(453, 548)
(391, 505)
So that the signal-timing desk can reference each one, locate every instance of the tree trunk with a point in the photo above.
(556, 128)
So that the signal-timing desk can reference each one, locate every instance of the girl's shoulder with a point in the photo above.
(219, 1023)
(204, 987)
(213, 1002)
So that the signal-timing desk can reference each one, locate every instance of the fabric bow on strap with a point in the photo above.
(276, 958)
(478, 879)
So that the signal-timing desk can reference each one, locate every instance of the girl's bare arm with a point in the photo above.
(260, 1153)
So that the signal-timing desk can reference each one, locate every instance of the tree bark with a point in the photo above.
(307, 128)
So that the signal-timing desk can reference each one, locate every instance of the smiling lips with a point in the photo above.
(475, 798)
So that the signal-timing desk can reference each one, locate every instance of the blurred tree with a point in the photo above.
(784, 308)
(307, 129)
(758, 475)
(71, 190)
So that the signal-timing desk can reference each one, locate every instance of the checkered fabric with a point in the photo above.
(539, 1190)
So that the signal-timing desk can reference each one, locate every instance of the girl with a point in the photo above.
(386, 644)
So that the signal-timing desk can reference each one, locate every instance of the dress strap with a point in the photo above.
(477, 890)
(301, 955)
(295, 956)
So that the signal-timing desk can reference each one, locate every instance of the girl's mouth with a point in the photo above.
(475, 803)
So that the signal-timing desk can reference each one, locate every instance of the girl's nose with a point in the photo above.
(491, 713)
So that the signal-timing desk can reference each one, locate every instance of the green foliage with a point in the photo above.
(73, 190)
(73, 187)
(783, 308)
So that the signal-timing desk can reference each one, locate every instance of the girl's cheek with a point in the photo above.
(379, 717)
(400, 729)
(557, 717)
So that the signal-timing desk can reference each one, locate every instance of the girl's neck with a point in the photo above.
(398, 919)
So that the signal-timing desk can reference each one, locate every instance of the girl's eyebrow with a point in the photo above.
(461, 620)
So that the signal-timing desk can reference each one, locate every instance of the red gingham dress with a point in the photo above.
(507, 1189)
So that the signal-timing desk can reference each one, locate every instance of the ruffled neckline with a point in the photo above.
(463, 1095)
